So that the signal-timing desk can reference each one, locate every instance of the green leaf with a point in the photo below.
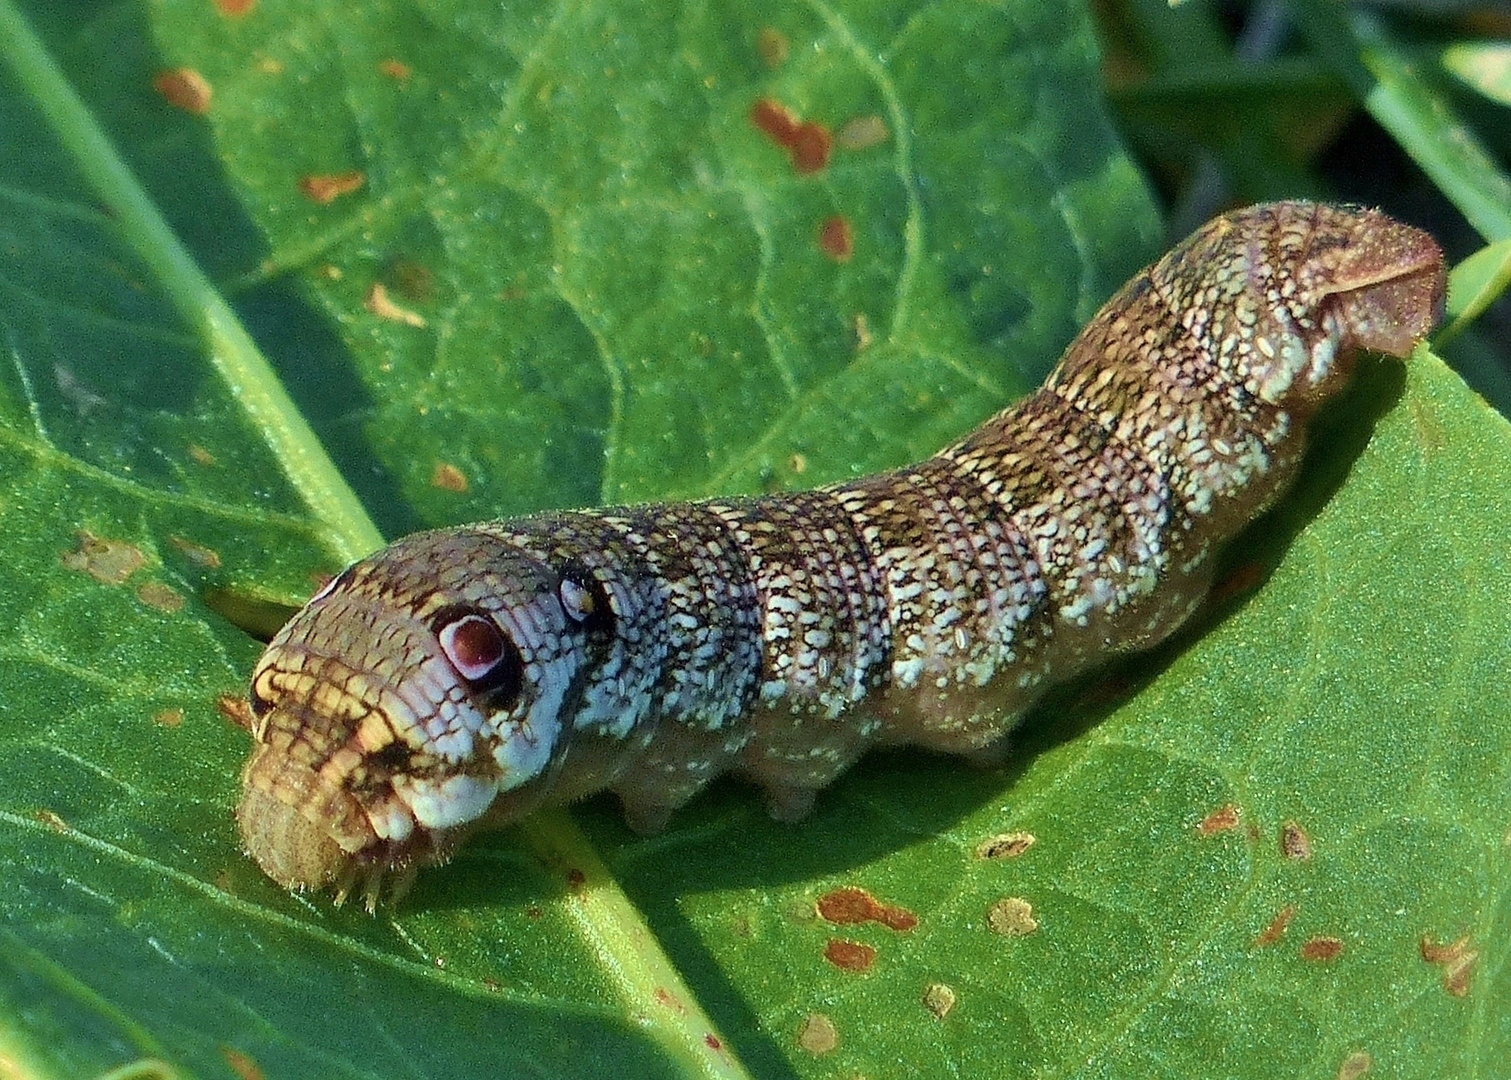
(604, 283)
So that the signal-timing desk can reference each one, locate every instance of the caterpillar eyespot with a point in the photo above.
(476, 648)
(576, 601)
(584, 600)
(646, 650)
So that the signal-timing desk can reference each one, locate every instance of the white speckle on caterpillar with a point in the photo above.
(461, 678)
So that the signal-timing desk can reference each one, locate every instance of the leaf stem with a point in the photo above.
(650, 987)
(252, 380)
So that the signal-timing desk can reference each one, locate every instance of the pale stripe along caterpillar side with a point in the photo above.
(462, 677)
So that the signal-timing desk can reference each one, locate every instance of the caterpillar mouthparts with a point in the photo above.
(460, 678)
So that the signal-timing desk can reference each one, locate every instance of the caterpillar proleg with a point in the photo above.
(462, 677)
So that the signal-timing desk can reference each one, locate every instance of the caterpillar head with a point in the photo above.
(1288, 294)
(416, 696)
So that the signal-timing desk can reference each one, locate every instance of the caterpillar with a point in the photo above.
(461, 678)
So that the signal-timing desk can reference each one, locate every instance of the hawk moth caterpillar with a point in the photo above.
(462, 677)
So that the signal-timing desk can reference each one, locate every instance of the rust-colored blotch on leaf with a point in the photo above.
(448, 477)
(849, 955)
(853, 905)
(241, 1063)
(775, 120)
(1456, 959)
(835, 238)
(1322, 948)
(808, 145)
(1276, 929)
(184, 88)
(328, 187)
(1222, 819)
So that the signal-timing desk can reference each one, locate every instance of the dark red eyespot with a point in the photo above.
(478, 649)
(473, 644)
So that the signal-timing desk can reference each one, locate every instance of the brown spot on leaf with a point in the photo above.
(862, 132)
(811, 145)
(1012, 916)
(109, 562)
(1276, 929)
(1005, 845)
(1322, 948)
(448, 477)
(238, 710)
(328, 187)
(771, 44)
(234, 9)
(1294, 842)
(157, 595)
(1355, 1065)
(1435, 953)
(51, 819)
(196, 553)
(712, 1041)
(939, 999)
(818, 1035)
(241, 1064)
(1222, 819)
(1456, 959)
(849, 955)
(199, 455)
(807, 144)
(378, 302)
(1456, 976)
(835, 238)
(395, 69)
(775, 120)
(168, 718)
(576, 879)
(184, 88)
(852, 905)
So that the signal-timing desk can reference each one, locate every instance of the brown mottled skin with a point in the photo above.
(462, 677)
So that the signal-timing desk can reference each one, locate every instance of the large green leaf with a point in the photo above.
(605, 283)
